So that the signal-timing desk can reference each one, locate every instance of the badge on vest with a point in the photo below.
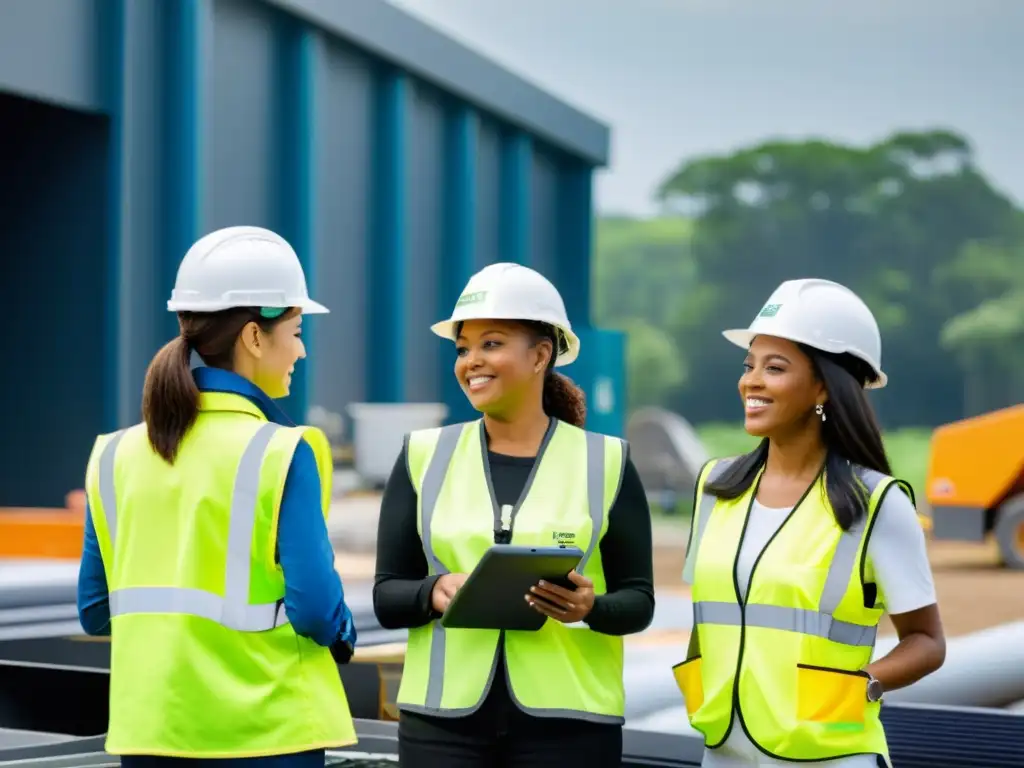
(563, 538)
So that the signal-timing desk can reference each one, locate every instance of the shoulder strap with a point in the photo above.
(704, 503)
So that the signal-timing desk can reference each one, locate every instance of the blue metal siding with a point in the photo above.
(343, 344)
(488, 194)
(259, 160)
(514, 197)
(242, 107)
(113, 45)
(388, 247)
(296, 169)
(575, 238)
(188, 32)
(461, 157)
(48, 51)
(136, 46)
(394, 173)
(544, 202)
(426, 241)
(409, 44)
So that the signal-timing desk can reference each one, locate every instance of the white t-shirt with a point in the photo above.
(899, 559)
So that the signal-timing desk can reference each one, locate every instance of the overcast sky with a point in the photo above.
(677, 78)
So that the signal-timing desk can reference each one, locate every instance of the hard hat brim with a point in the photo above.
(308, 306)
(744, 337)
(446, 330)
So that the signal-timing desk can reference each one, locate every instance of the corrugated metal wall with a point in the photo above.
(395, 161)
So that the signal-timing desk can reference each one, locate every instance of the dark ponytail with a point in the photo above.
(563, 400)
(170, 398)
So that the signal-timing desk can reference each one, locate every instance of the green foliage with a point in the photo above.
(641, 269)
(652, 356)
(908, 454)
(640, 272)
(994, 274)
(725, 439)
(907, 449)
(908, 223)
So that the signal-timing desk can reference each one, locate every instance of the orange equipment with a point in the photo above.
(975, 481)
(30, 533)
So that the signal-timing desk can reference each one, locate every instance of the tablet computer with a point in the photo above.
(494, 595)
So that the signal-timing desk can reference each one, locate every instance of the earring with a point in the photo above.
(819, 409)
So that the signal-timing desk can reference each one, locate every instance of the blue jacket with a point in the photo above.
(314, 597)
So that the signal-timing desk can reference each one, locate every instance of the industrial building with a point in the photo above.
(396, 161)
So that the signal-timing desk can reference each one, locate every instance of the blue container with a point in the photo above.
(600, 371)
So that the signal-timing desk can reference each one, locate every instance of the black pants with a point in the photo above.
(505, 737)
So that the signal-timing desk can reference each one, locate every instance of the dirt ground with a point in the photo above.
(974, 592)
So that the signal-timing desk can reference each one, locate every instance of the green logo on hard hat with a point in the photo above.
(470, 298)
(769, 310)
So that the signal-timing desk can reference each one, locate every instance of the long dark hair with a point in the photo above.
(850, 432)
(170, 397)
(562, 398)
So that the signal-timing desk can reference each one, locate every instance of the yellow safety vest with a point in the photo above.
(559, 670)
(203, 660)
(785, 665)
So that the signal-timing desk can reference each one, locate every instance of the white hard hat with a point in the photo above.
(513, 292)
(823, 315)
(241, 267)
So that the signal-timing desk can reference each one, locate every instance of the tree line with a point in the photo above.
(909, 223)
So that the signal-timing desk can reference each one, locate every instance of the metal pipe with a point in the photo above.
(983, 669)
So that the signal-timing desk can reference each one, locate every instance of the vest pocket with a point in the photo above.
(688, 678)
(837, 697)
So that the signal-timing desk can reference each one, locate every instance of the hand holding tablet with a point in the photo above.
(565, 605)
(492, 596)
(444, 590)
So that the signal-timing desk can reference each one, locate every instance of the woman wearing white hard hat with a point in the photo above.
(526, 473)
(798, 548)
(206, 555)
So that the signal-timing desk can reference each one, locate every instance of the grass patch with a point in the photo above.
(907, 449)
(908, 454)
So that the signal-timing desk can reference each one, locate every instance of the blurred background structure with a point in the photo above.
(400, 146)
(395, 160)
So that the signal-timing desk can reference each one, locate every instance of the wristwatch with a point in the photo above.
(875, 690)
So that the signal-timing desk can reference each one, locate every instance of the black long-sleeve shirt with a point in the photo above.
(401, 591)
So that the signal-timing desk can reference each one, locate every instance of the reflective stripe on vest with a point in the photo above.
(231, 610)
(819, 623)
(784, 660)
(433, 480)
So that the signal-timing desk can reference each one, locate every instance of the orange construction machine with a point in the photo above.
(976, 481)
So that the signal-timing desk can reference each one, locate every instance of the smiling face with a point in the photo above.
(268, 357)
(779, 388)
(499, 365)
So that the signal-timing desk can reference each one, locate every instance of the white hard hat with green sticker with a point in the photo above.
(242, 267)
(823, 315)
(508, 291)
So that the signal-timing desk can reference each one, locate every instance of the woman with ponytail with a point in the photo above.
(206, 558)
(525, 473)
